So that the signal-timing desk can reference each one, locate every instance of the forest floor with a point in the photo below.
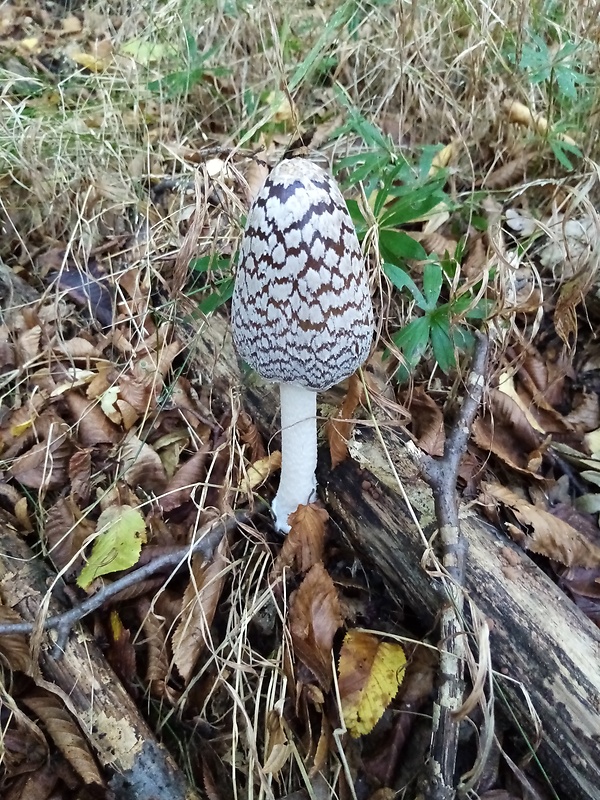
(133, 137)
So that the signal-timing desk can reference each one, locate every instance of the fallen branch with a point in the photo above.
(138, 767)
(206, 543)
(442, 476)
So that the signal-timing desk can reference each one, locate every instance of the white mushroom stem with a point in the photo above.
(298, 484)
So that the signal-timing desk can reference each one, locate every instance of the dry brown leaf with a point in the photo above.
(154, 627)
(77, 347)
(505, 431)
(546, 534)
(509, 173)
(24, 746)
(585, 415)
(255, 174)
(250, 435)
(141, 465)
(65, 530)
(277, 747)
(198, 609)
(45, 465)
(121, 654)
(65, 733)
(427, 422)
(92, 425)
(303, 546)
(339, 428)
(28, 344)
(572, 295)
(14, 647)
(80, 472)
(179, 489)
(314, 618)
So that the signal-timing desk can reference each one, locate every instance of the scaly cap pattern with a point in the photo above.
(301, 309)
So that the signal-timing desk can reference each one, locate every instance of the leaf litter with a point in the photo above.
(103, 416)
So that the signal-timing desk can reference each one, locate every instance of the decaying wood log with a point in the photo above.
(540, 640)
(141, 769)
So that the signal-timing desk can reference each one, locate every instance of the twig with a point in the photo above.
(442, 476)
(208, 539)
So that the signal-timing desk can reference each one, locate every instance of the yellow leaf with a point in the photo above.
(146, 52)
(93, 63)
(370, 673)
(122, 531)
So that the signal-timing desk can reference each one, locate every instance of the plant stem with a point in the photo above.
(298, 452)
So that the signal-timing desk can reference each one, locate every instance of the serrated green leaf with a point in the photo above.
(402, 280)
(442, 344)
(413, 339)
(121, 533)
(433, 277)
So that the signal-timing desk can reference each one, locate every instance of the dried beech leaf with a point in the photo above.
(339, 428)
(92, 425)
(28, 344)
(142, 465)
(547, 534)
(505, 431)
(303, 546)
(24, 746)
(66, 734)
(45, 465)
(427, 422)
(258, 472)
(179, 489)
(198, 609)
(250, 435)
(121, 653)
(65, 531)
(277, 746)
(80, 472)
(314, 618)
(370, 674)
(154, 628)
(121, 533)
(14, 647)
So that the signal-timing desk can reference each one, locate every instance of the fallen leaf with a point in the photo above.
(141, 465)
(66, 734)
(303, 546)
(339, 428)
(427, 422)
(314, 618)
(370, 674)
(258, 472)
(198, 608)
(546, 534)
(121, 533)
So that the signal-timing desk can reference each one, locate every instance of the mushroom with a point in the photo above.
(301, 309)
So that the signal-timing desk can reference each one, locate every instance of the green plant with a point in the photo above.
(400, 193)
(218, 283)
(180, 82)
(443, 325)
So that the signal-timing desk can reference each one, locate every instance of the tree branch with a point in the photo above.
(208, 539)
(442, 476)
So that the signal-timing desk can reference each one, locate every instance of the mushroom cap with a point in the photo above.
(301, 309)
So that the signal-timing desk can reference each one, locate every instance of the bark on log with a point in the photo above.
(539, 638)
(141, 769)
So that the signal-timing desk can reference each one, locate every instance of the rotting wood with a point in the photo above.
(139, 767)
(543, 644)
